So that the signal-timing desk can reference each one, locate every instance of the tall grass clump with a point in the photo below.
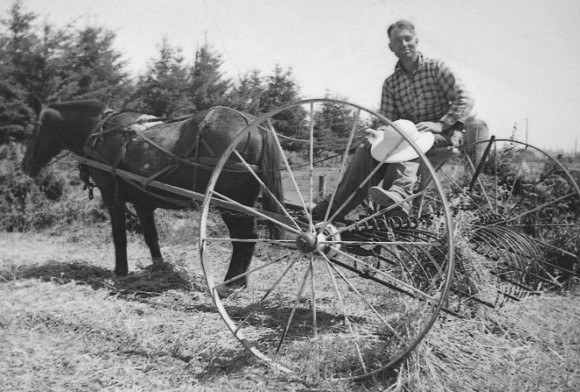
(53, 198)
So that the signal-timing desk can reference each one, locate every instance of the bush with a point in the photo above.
(43, 202)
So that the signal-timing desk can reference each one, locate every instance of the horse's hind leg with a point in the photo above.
(147, 220)
(240, 227)
(118, 224)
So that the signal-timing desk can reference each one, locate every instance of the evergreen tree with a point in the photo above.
(15, 115)
(208, 87)
(334, 122)
(50, 62)
(281, 89)
(17, 43)
(17, 39)
(162, 90)
(247, 94)
(91, 67)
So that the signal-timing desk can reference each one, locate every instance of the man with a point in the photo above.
(422, 90)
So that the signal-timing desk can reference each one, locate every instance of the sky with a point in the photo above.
(520, 59)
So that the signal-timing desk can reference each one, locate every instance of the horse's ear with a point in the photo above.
(35, 103)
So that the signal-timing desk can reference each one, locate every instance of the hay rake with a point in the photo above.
(348, 298)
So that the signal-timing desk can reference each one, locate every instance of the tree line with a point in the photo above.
(68, 63)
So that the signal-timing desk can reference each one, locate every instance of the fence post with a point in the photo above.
(476, 131)
(321, 187)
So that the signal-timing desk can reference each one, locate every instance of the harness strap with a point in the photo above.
(196, 161)
(168, 199)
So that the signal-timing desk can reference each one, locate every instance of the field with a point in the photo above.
(68, 324)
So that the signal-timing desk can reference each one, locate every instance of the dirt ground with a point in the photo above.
(68, 324)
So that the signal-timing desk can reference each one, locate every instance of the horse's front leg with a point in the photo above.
(239, 227)
(147, 220)
(118, 224)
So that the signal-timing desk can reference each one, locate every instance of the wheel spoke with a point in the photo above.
(265, 188)
(362, 297)
(311, 162)
(375, 287)
(252, 211)
(343, 162)
(291, 175)
(346, 317)
(275, 285)
(249, 272)
(541, 207)
(292, 313)
(314, 319)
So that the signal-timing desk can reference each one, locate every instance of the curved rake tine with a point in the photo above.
(562, 251)
(393, 283)
(379, 213)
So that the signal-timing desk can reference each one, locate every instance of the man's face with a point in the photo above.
(403, 43)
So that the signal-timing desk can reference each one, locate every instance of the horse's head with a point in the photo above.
(42, 146)
(60, 126)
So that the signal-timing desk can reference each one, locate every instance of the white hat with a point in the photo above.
(396, 148)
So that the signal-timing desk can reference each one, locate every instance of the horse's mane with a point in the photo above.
(88, 104)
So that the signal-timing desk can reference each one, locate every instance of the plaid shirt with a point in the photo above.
(431, 93)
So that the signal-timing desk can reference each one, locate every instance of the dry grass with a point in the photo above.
(67, 324)
(532, 345)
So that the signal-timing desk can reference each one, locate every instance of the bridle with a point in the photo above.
(34, 144)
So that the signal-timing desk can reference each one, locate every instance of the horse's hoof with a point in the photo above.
(225, 291)
(121, 272)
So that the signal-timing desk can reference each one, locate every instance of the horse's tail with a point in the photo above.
(270, 164)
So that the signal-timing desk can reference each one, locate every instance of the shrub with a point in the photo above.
(43, 202)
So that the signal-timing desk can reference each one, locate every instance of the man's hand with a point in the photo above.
(430, 126)
(373, 134)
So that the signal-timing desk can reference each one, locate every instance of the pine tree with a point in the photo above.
(162, 91)
(91, 67)
(246, 95)
(281, 89)
(17, 40)
(17, 45)
(208, 87)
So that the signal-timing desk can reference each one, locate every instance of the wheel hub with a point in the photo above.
(324, 239)
(306, 242)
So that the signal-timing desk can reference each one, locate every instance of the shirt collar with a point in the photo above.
(399, 68)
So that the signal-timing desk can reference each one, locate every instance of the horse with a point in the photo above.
(179, 153)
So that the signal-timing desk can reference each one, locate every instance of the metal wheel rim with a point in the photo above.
(203, 240)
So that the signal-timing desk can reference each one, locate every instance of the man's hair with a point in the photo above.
(401, 24)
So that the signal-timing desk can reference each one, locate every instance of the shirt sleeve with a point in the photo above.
(388, 108)
(454, 90)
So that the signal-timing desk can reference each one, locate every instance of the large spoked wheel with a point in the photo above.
(334, 297)
(523, 207)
